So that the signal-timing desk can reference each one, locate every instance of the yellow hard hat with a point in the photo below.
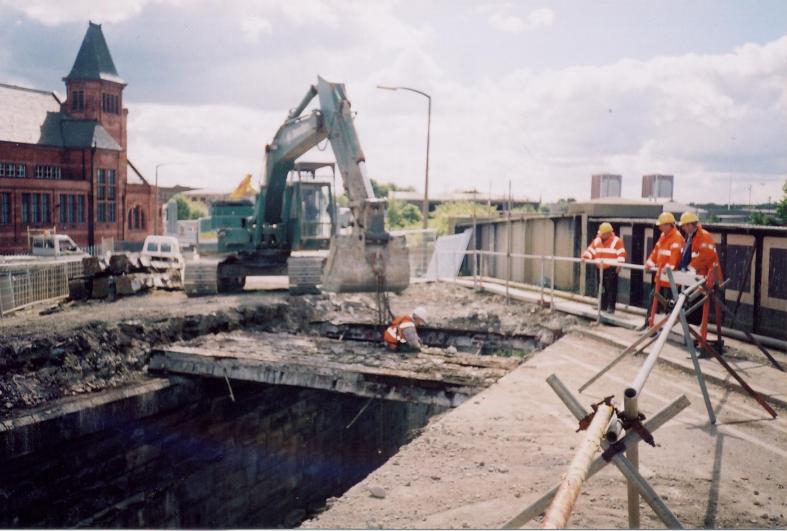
(665, 217)
(604, 228)
(689, 217)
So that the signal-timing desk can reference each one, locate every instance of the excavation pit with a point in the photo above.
(91, 437)
(183, 453)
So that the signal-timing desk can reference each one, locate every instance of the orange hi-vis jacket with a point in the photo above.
(703, 252)
(667, 253)
(612, 249)
(394, 334)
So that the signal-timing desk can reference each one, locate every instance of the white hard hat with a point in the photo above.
(420, 313)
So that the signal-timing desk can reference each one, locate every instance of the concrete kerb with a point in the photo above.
(681, 365)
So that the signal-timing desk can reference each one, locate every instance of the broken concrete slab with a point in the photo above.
(347, 367)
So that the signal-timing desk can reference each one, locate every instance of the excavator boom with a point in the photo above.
(369, 258)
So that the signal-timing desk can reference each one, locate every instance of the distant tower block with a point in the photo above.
(658, 186)
(605, 185)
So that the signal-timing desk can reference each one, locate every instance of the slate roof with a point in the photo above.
(94, 62)
(32, 116)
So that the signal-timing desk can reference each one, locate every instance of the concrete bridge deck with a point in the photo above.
(440, 377)
(478, 465)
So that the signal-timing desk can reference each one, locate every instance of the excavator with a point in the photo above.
(365, 259)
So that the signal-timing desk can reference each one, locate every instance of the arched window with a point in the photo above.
(136, 218)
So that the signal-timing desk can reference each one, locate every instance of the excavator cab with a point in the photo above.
(310, 206)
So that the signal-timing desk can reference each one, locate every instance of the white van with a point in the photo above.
(163, 249)
(55, 245)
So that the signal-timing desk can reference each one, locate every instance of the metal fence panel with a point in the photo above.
(22, 284)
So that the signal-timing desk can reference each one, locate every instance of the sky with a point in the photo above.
(542, 94)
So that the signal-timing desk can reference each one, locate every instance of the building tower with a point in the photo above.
(94, 90)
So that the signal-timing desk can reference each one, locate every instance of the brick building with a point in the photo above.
(63, 165)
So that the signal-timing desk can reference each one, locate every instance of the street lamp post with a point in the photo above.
(157, 213)
(425, 208)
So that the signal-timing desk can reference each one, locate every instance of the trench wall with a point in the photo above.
(181, 453)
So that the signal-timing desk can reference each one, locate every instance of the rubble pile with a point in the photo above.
(123, 274)
(39, 363)
(39, 367)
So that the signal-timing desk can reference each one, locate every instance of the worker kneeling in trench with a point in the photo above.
(402, 334)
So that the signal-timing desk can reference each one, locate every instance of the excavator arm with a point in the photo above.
(369, 259)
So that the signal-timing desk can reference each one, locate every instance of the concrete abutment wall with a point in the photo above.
(180, 453)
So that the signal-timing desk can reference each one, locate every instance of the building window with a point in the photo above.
(110, 103)
(63, 209)
(136, 218)
(5, 208)
(48, 172)
(71, 209)
(78, 100)
(46, 209)
(35, 210)
(12, 169)
(25, 209)
(106, 193)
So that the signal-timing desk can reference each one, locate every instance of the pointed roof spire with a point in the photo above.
(94, 61)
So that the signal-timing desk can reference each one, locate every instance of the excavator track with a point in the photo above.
(201, 277)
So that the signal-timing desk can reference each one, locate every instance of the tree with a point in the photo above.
(781, 208)
(439, 220)
(402, 215)
(190, 209)
(382, 189)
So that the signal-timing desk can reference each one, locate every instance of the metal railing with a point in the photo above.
(23, 284)
(477, 265)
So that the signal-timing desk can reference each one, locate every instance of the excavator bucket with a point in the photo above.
(356, 266)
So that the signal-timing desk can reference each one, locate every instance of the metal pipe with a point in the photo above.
(631, 410)
(600, 298)
(614, 428)
(542, 280)
(556, 516)
(566, 397)
(552, 287)
(636, 386)
(652, 424)
(692, 352)
(630, 349)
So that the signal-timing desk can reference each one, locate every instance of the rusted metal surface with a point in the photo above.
(712, 352)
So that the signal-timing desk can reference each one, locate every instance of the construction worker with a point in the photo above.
(607, 246)
(665, 254)
(402, 334)
(699, 256)
(699, 253)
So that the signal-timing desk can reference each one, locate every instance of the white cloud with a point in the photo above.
(709, 120)
(503, 20)
(252, 26)
(55, 12)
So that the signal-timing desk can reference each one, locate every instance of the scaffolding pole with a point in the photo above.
(556, 516)
(621, 462)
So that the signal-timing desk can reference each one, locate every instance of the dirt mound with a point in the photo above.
(41, 367)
